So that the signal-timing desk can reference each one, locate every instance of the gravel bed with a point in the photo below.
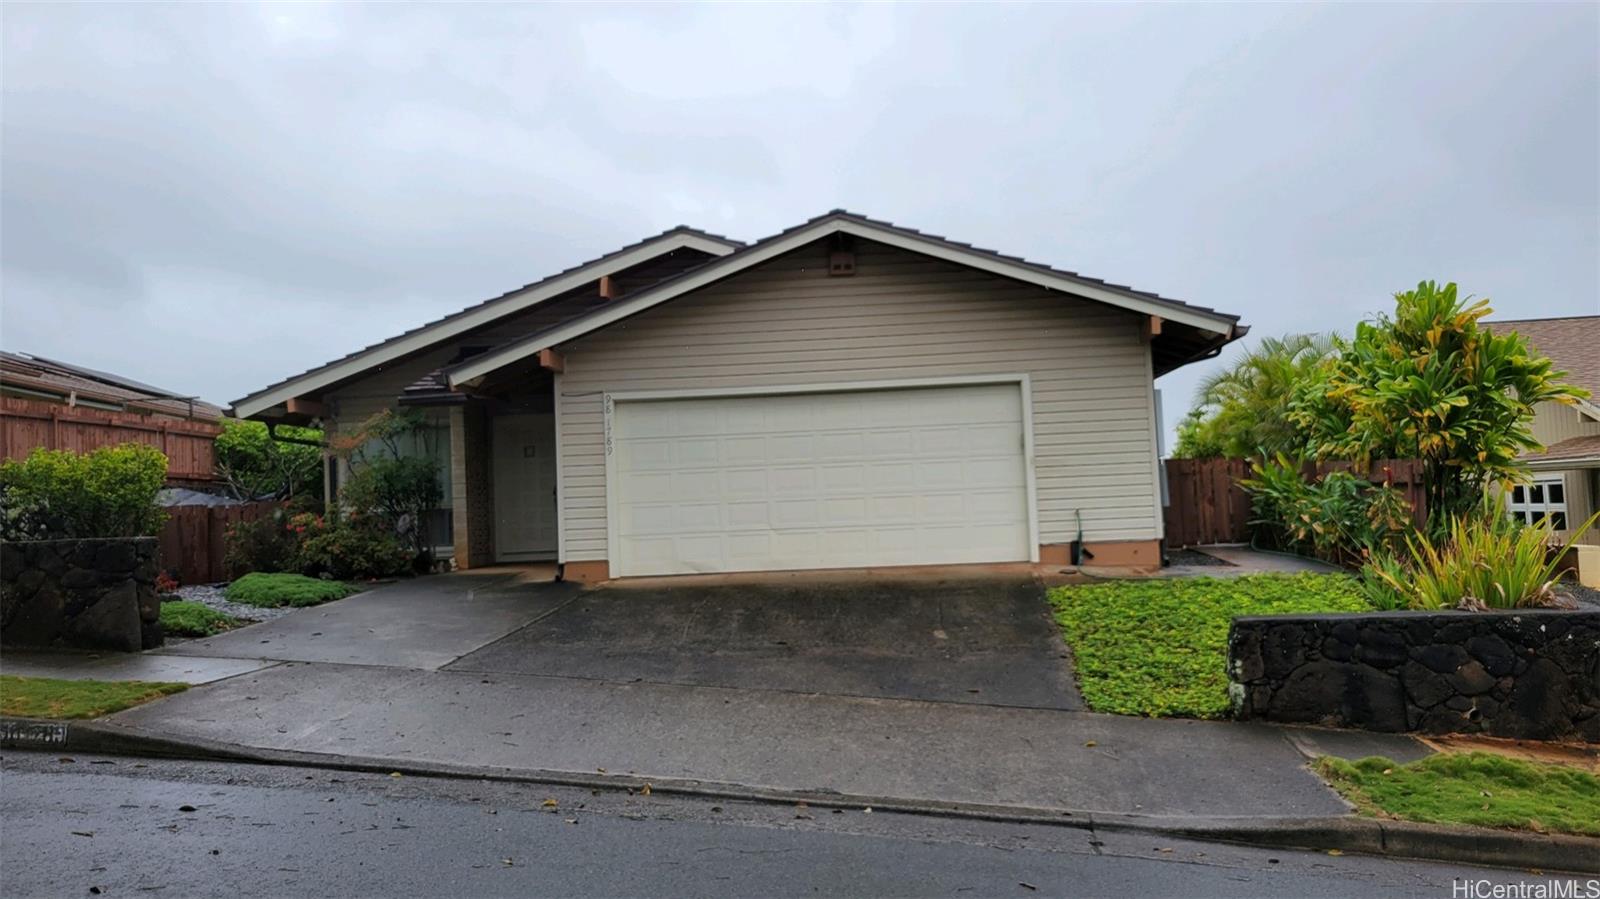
(1190, 557)
(1588, 598)
(211, 595)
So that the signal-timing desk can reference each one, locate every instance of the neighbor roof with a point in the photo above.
(65, 381)
(1572, 343)
(483, 313)
(1220, 327)
(1574, 452)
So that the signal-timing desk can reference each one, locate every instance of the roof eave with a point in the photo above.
(514, 301)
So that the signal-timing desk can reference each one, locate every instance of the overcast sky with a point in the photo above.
(212, 197)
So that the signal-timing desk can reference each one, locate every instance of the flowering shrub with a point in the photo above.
(166, 583)
(348, 547)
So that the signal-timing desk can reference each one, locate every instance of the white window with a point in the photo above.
(1546, 497)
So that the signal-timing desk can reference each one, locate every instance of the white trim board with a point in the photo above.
(1023, 381)
(481, 365)
(462, 322)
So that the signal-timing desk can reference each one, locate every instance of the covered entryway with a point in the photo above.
(524, 448)
(878, 476)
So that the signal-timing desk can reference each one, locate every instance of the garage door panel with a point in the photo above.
(892, 477)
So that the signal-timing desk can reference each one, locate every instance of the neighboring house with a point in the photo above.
(55, 405)
(1566, 476)
(845, 393)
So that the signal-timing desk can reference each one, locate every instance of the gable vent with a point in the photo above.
(841, 255)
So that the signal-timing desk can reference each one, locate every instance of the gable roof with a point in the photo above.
(1219, 326)
(67, 382)
(424, 336)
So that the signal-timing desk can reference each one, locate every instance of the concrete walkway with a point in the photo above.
(915, 751)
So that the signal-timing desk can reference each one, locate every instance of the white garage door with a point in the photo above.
(916, 476)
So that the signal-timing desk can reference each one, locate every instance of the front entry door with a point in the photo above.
(524, 487)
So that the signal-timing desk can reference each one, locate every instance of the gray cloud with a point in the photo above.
(212, 197)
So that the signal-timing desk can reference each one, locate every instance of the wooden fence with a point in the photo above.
(193, 542)
(26, 425)
(1205, 503)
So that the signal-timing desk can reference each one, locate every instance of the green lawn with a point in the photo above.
(1159, 646)
(182, 618)
(270, 590)
(44, 697)
(1475, 788)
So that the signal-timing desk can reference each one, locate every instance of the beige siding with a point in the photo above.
(1554, 422)
(1581, 501)
(901, 317)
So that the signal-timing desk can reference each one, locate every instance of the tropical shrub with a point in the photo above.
(110, 492)
(1340, 518)
(349, 547)
(1429, 382)
(1488, 560)
(1243, 410)
(256, 466)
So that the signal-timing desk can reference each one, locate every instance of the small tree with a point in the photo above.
(1243, 411)
(256, 466)
(1430, 383)
(393, 474)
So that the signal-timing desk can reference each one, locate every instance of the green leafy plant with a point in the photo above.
(110, 492)
(1158, 647)
(1341, 517)
(1488, 560)
(1472, 788)
(394, 475)
(254, 465)
(262, 544)
(272, 590)
(184, 618)
(1243, 410)
(1429, 382)
(350, 547)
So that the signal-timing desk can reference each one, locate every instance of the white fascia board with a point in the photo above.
(1589, 409)
(483, 364)
(476, 318)
(1570, 464)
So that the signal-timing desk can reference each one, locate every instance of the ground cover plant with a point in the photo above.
(1158, 647)
(273, 589)
(1472, 788)
(45, 697)
(182, 618)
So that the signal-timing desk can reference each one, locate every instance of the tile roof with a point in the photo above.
(64, 379)
(1572, 343)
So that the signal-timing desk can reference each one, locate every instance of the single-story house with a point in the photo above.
(845, 393)
(1565, 484)
(50, 404)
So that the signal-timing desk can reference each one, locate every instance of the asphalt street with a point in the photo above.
(82, 825)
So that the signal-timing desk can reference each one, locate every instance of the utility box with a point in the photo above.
(1588, 558)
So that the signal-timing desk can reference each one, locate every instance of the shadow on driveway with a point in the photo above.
(986, 642)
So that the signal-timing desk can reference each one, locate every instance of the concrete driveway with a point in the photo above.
(987, 642)
(422, 623)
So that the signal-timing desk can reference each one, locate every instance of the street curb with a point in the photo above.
(1369, 836)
